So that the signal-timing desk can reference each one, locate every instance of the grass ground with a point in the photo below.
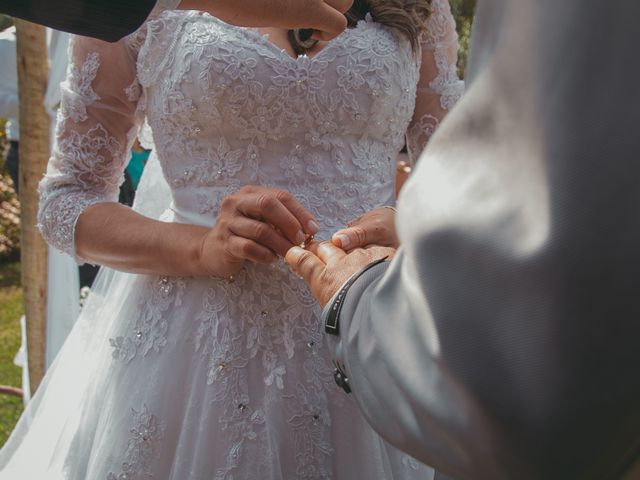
(11, 309)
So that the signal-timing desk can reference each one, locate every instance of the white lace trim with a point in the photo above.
(58, 216)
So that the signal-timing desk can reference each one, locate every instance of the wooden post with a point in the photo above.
(33, 74)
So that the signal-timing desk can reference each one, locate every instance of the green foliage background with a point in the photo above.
(9, 206)
(5, 21)
(463, 12)
(11, 301)
(11, 309)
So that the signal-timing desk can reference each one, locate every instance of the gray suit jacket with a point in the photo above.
(108, 20)
(503, 341)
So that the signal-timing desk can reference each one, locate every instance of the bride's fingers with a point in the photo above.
(341, 5)
(328, 23)
(306, 219)
(246, 249)
(267, 207)
(261, 233)
(278, 208)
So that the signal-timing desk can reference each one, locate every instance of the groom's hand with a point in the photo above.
(326, 267)
(376, 227)
(325, 17)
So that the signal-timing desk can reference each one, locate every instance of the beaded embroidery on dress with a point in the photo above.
(203, 378)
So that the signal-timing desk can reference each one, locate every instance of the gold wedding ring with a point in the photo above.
(306, 242)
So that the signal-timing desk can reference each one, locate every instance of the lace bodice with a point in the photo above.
(227, 108)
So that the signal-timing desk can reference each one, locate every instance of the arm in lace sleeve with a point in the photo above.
(97, 123)
(162, 5)
(439, 86)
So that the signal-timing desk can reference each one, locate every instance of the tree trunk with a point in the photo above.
(34, 154)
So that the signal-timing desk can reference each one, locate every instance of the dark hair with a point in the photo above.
(407, 17)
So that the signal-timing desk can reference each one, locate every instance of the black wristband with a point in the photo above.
(332, 325)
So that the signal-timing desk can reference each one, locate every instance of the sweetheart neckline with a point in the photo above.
(263, 39)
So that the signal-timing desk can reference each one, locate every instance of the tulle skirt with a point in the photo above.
(198, 378)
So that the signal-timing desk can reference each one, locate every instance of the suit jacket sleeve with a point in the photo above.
(105, 20)
(501, 342)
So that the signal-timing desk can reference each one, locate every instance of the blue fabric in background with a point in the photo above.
(136, 166)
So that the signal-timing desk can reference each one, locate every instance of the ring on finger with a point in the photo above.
(307, 241)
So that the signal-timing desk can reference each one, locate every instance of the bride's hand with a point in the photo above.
(325, 17)
(376, 227)
(255, 224)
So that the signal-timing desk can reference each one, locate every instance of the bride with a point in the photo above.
(207, 360)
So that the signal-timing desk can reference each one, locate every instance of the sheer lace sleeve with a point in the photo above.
(162, 5)
(439, 86)
(97, 122)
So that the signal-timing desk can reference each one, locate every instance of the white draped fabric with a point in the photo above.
(63, 283)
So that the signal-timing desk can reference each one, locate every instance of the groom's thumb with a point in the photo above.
(350, 238)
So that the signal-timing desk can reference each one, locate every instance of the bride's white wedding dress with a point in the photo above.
(204, 378)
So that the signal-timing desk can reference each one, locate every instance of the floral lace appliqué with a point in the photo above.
(440, 37)
(151, 325)
(143, 447)
(72, 186)
(419, 134)
(78, 93)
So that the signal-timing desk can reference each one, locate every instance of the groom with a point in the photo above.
(502, 340)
